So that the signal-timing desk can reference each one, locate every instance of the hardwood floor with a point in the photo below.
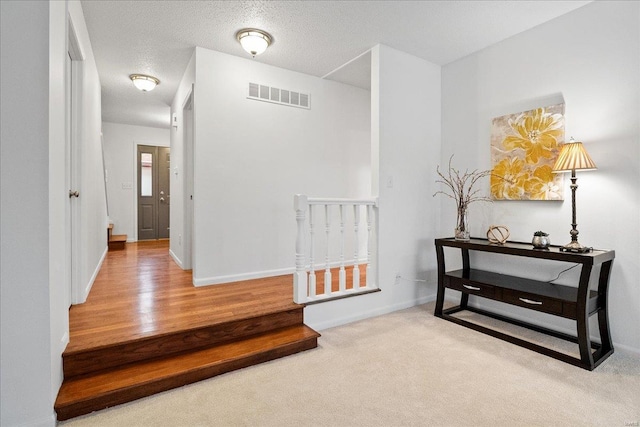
(142, 292)
(145, 329)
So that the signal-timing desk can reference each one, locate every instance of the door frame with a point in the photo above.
(188, 135)
(136, 143)
(74, 50)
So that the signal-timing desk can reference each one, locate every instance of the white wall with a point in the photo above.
(405, 132)
(590, 58)
(251, 157)
(178, 238)
(26, 380)
(34, 196)
(120, 142)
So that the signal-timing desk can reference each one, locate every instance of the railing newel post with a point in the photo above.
(300, 204)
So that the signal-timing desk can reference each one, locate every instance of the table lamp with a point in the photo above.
(573, 157)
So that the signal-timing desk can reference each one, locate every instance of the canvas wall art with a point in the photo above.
(524, 147)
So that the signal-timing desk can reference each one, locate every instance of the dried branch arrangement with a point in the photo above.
(461, 185)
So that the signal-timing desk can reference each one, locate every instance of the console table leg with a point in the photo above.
(603, 317)
(464, 300)
(441, 271)
(584, 340)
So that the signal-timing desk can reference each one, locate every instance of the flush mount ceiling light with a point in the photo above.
(254, 41)
(143, 82)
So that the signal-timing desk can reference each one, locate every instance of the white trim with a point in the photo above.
(626, 350)
(49, 421)
(338, 321)
(87, 288)
(334, 201)
(176, 259)
(74, 48)
(64, 341)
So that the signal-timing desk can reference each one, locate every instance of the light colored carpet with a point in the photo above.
(404, 368)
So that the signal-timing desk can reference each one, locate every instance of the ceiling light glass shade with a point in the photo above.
(572, 157)
(143, 82)
(253, 41)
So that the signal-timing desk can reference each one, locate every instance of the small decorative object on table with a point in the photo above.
(498, 234)
(541, 240)
(460, 188)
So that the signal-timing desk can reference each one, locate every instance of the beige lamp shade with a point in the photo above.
(573, 157)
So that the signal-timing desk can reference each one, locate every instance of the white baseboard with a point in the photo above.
(64, 341)
(626, 350)
(87, 288)
(49, 421)
(331, 323)
(176, 259)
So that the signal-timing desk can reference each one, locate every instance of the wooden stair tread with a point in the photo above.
(207, 317)
(88, 360)
(82, 395)
(118, 238)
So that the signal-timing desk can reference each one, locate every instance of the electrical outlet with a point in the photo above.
(180, 239)
(390, 181)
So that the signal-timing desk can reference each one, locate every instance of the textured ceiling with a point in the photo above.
(312, 37)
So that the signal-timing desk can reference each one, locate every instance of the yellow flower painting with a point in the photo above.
(524, 147)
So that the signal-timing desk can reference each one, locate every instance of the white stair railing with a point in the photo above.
(305, 289)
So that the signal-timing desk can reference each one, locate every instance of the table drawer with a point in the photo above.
(532, 301)
(471, 288)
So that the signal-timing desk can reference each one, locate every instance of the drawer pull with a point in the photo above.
(530, 301)
(473, 288)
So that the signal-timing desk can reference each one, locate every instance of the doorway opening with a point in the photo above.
(187, 119)
(153, 166)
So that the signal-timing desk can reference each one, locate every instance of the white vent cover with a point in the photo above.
(279, 96)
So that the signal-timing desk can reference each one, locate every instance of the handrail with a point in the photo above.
(337, 201)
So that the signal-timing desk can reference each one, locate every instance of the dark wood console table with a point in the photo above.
(575, 303)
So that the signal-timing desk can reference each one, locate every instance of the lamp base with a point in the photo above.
(575, 247)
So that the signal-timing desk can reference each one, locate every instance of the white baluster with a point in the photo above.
(356, 227)
(312, 270)
(369, 239)
(300, 276)
(327, 271)
(342, 276)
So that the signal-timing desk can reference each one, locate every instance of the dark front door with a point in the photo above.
(153, 192)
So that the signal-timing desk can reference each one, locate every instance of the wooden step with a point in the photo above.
(130, 382)
(87, 360)
(117, 241)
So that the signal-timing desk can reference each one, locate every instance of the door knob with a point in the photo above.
(162, 199)
(74, 194)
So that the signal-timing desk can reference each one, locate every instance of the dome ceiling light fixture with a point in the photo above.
(254, 41)
(144, 82)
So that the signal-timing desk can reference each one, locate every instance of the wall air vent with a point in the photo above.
(276, 95)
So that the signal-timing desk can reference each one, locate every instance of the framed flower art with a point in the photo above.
(524, 147)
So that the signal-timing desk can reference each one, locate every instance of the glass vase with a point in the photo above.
(462, 225)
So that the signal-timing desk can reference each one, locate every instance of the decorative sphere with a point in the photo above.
(498, 234)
